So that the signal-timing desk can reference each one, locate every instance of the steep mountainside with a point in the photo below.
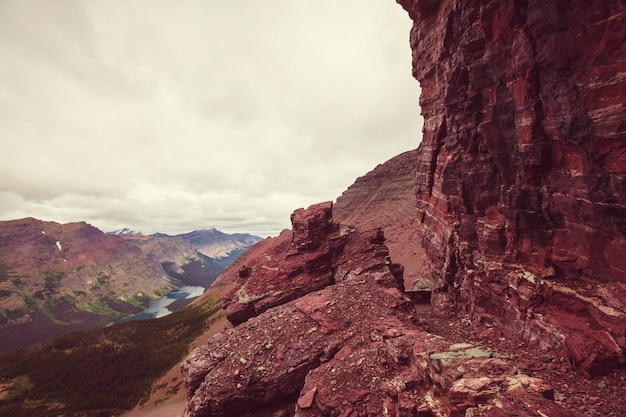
(55, 278)
(385, 198)
(217, 245)
(178, 258)
(521, 179)
(101, 372)
(174, 250)
(197, 257)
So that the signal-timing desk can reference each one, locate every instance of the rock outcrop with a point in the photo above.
(521, 179)
(520, 184)
(316, 254)
(327, 331)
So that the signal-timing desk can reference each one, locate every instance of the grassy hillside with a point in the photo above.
(102, 372)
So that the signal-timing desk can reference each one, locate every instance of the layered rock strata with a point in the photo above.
(316, 254)
(521, 179)
(352, 347)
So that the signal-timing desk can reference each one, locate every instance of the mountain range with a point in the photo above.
(219, 245)
(56, 278)
(209, 242)
(510, 215)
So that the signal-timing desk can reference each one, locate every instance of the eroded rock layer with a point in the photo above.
(521, 184)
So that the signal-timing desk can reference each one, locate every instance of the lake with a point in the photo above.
(158, 308)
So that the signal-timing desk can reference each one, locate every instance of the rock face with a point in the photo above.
(520, 186)
(521, 179)
(323, 329)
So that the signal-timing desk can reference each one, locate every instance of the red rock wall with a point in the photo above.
(521, 181)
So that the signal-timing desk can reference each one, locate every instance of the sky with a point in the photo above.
(169, 116)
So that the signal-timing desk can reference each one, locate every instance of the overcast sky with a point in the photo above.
(173, 115)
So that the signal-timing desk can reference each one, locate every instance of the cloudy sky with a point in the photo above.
(170, 116)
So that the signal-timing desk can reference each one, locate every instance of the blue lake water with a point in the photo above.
(158, 308)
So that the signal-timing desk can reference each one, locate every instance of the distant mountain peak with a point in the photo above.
(125, 231)
(216, 244)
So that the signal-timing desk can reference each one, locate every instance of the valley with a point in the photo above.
(100, 372)
(58, 278)
(164, 306)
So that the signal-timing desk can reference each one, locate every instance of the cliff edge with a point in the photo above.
(521, 183)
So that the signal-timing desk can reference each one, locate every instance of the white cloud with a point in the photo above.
(168, 116)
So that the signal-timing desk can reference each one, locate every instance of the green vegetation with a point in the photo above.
(79, 293)
(52, 280)
(42, 301)
(101, 308)
(45, 310)
(6, 272)
(102, 279)
(102, 372)
(30, 304)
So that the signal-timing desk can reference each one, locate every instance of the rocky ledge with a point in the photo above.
(317, 253)
(342, 339)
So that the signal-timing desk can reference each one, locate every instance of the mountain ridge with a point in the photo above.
(56, 278)
(373, 201)
(216, 244)
(210, 242)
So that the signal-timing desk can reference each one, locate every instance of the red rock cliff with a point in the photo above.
(521, 180)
